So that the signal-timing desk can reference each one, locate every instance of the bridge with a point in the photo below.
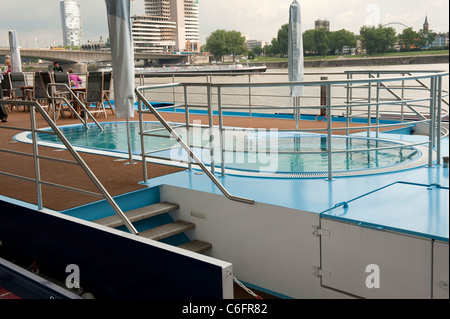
(86, 56)
(395, 23)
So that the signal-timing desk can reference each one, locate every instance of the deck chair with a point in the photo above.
(17, 80)
(107, 80)
(38, 93)
(59, 91)
(6, 87)
(61, 77)
(6, 91)
(94, 93)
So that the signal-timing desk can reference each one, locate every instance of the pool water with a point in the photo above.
(266, 151)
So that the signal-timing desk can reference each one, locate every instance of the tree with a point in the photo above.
(340, 39)
(217, 43)
(280, 43)
(426, 38)
(235, 43)
(408, 37)
(309, 45)
(283, 39)
(316, 41)
(222, 42)
(377, 40)
(258, 51)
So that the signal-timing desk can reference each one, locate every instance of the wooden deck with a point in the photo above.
(117, 177)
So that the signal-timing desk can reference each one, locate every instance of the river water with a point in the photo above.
(279, 98)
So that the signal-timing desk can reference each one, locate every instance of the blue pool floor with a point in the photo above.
(320, 195)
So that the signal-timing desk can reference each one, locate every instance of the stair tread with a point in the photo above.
(138, 214)
(197, 246)
(167, 230)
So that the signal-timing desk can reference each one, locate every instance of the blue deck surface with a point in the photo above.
(373, 199)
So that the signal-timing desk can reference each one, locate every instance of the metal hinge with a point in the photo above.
(318, 272)
(317, 231)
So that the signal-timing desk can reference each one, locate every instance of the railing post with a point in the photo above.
(330, 130)
(439, 119)
(130, 155)
(431, 121)
(173, 90)
(37, 169)
(141, 129)
(378, 108)
(211, 128)
(347, 120)
(369, 106)
(221, 135)
(250, 95)
(188, 127)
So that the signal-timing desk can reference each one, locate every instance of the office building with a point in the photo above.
(71, 22)
(153, 34)
(322, 24)
(251, 44)
(163, 14)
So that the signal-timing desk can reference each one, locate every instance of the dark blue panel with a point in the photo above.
(30, 286)
(111, 266)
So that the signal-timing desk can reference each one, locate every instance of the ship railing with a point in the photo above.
(186, 146)
(61, 96)
(35, 108)
(431, 101)
(255, 98)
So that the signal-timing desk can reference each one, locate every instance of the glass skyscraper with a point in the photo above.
(71, 22)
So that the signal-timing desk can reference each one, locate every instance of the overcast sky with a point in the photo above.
(38, 22)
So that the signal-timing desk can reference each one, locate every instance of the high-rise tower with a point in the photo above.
(71, 22)
(184, 13)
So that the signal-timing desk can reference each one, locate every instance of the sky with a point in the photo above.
(38, 22)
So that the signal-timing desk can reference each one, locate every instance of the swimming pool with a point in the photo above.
(256, 152)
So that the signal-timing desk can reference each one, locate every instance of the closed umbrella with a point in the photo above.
(122, 54)
(14, 50)
(295, 54)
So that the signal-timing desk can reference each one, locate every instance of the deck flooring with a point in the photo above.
(117, 177)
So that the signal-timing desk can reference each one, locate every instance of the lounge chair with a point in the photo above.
(60, 91)
(17, 82)
(38, 93)
(107, 81)
(6, 91)
(94, 93)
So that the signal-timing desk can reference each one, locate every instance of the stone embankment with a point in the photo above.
(342, 61)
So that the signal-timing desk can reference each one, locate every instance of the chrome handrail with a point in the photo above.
(86, 111)
(73, 152)
(187, 149)
(435, 109)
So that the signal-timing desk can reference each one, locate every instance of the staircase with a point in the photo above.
(160, 232)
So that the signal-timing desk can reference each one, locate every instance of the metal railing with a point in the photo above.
(427, 107)
(185, 146)
(50, 94)
(35, 106)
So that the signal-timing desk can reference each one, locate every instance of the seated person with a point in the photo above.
(75, 79)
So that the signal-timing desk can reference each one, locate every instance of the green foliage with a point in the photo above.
(377, 40)
(408, 37)
(258, 51)
(317, 41)
(222, 42)
(235, 43)
(340, 39)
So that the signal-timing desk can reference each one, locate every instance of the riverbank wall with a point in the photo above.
(347, 62)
